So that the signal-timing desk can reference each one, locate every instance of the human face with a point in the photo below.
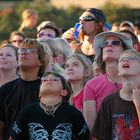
(51, 84)
(74, 70)
(8, 60)
(28, 57)
(45, 34)
(31, 21)
(88, 27)
(112, 50)
(129, 65)
(17, 40)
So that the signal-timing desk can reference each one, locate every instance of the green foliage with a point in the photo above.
(64, 18)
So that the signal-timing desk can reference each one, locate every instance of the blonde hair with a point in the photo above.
(57, 46)
(88, 71)
(26, 15)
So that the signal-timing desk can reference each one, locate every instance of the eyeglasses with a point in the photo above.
(28, 50)
(55, 79)
(19, 41)
(44, 34)
(88, 18)
(129, 58)
(113, 43)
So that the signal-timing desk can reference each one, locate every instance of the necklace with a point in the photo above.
(114, 82)
(50, 110)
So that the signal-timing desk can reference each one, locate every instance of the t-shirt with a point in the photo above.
(13, 97)
(117, 120)
(98, 88)
(78, 101)
(67, 123)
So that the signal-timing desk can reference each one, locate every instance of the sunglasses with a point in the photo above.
(44, 34)
(129, 58)
(87, 18)
(113, 43)
(29, 50)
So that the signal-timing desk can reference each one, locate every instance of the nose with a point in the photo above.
(109, 45)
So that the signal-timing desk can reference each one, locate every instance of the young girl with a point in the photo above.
(8, 63)
(78, 70)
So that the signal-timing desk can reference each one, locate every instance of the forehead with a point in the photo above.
(48, 30)
(127, 54)
(112, 38)
(17, 37)
(6, 49)
(86, 13)
(73, 59)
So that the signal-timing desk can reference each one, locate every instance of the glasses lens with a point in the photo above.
(88, 18)
(21, 50)
(116, 42)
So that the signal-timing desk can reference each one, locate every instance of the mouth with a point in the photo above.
(125, 65)
(109, 50)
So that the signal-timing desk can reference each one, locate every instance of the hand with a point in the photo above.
(68, 35)
(136, 96)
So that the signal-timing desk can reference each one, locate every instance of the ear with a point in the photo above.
(64, 93)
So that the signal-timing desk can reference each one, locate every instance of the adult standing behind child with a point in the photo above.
(119, 115)
(108, 47)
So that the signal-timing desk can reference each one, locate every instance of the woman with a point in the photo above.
(56, 120)
(78, 70)
(8, 63)
(108, 47)
(119, 115)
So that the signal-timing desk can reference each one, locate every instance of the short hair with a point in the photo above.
(22, 34)
(136, 53)
(42, 54)
(87, 66)
(65, 85)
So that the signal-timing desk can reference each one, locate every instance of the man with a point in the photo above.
(24, 90)
(92, 21)
(119, 115)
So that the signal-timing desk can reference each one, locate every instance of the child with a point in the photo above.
(53, 117)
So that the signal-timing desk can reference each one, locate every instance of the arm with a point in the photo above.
(89, 112)
(136, 100)
(2, 128)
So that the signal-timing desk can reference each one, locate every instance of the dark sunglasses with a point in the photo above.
(113, 43)
(88, 18)
(29, 50)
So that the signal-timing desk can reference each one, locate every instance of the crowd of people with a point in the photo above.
(55, 86)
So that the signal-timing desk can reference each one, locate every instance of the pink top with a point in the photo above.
(98, 88)
(78, 100)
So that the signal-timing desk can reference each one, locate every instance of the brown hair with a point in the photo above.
(42, 54)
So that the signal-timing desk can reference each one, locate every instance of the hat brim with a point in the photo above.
(100, 38)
